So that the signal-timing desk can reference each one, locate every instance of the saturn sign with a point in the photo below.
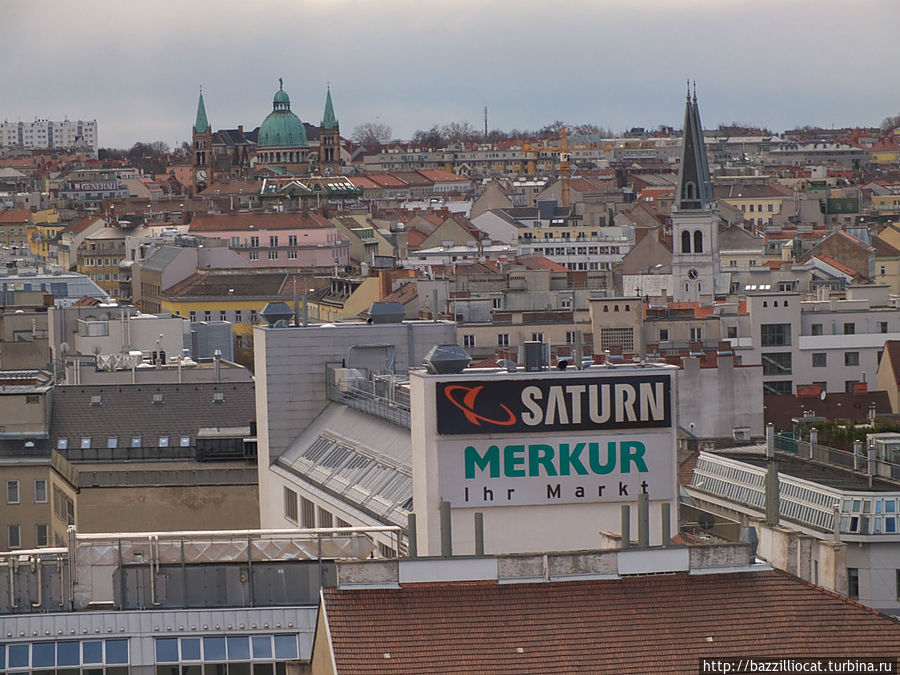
(598, 437)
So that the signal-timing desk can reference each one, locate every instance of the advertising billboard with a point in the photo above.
(555, 440)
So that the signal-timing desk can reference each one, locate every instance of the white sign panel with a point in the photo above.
(507, 470)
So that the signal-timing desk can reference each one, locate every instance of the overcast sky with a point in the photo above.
(137, 67)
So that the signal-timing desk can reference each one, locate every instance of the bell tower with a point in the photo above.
(329, 140)
(201, 137)
(695, 216)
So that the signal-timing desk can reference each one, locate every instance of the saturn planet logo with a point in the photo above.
(464, 399)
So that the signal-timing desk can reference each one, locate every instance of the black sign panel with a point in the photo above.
(554, 404)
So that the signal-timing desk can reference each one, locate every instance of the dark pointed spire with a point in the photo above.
(201, 125)
(329, 121)
(695, 191)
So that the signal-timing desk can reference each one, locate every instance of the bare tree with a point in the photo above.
(371, 133)
(891, 122)
(459, 132)
(433, 138)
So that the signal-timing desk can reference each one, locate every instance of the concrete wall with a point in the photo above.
(716, 400)
(290, 369)
(148, 509)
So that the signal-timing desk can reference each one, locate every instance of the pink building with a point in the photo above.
(277, 239)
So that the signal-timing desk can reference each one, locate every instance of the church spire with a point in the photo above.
(329, 121)
(695, 191)
(201, 125)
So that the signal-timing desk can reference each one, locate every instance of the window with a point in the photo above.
(685, 242)
(292, 240)
(775, 334)
(184, 441)
(237, 316)
(696, 334)
(849, 328)
(223, 315)
(273, 255)
(253, 255)
(503, 339)
(849, 384)
(731, 332)
(816, 329)
(135, 441)
(537, 337)
(62, 443)
(14, 536)
(663, 334)
(163, 441)
(496, 303)
(40, 491)
(819, 360)
(290, 504)
(112, 442)
(570, 337)
(698, 241)
(851, 358)
(307, 513)
(617, 337)
(207, 315)
(254, 242)
(778, 363)
(326, 519)
(882, 327)
(12, 492)
(292, 255)
(273, 241)
(41, 535)
(193, 317)
(468, 340)
(852, 582)
(778, 387)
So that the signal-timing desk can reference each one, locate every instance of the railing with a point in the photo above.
(167, 570)
(364, 395)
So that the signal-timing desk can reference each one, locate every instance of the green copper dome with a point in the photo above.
(282, 128)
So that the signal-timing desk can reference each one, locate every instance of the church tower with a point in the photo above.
(695, 216)
(329, 140)
(201, 169)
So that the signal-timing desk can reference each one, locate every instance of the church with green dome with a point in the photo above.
(281, 146)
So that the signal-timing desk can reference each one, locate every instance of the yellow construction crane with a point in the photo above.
(565, 165)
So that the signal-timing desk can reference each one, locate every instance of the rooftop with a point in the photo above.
(636, 624)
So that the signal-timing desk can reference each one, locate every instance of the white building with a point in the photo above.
(835, 343)
(43, 134)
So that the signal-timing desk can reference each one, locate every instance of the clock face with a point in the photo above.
(201, 176)
(693, 274)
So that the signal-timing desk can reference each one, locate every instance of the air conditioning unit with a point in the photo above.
(741, 433)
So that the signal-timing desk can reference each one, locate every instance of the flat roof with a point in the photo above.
(815, 472)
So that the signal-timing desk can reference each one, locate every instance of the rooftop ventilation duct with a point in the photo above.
(274, 312)
(446, 359)
(386, 312)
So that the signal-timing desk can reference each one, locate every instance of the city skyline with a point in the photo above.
(137, 70)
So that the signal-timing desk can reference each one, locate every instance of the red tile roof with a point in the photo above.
(227, 222)
(828, 260)
(536, 262)
(15, 216)
(641, 624)
(81, 225)
(441, 176)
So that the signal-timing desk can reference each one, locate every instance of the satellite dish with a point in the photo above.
(822, 395)
(707, 521)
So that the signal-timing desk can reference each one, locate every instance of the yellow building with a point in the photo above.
(757, 203)
(14, 228)
(43, 232)
(887, 258)
(237, 296)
